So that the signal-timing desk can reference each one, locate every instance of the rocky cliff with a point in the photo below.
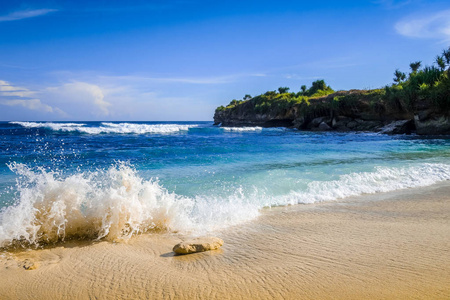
(354, 110)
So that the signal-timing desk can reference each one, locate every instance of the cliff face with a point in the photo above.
(353, 110)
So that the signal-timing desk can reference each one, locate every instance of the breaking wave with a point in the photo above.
(117, 203)
(242, 129)
(106, 127)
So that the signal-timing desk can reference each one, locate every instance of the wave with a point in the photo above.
(105, 127)
(242, 129)
(114, 204)
(117, 203)
(383, 179)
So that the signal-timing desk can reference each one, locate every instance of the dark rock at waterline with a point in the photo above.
(436, 125)
(398, 127)
(360, 114)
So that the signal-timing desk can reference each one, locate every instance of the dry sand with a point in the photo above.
(385, 246)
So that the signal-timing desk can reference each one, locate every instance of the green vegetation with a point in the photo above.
(428, 83)
(281, 99)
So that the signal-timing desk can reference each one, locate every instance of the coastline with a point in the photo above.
(382, 246)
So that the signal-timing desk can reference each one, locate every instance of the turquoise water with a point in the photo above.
(113, 180)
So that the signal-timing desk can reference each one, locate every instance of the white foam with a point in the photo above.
(53, 126)
(119, 128)
(242, 129)
(113, 204)
(116, 203)
(384, 179)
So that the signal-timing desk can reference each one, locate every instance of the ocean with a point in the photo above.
(113, 180)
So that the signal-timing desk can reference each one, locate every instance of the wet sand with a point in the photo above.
(385, 246)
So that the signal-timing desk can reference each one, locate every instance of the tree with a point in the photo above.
(247, 97)
(283, 90)
(303, 87)
(415, 66)
(440, 62)
(446, 55)
(399, 76)
(234, 102)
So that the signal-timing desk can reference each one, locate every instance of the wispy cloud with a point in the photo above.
(188, 80)
(25, 14)
(33, 104)
(393, 4)
(8, 90)
(432, 26)
(11, 95)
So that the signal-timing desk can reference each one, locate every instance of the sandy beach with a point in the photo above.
(384, 246)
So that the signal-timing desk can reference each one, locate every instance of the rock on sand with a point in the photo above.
(198, 245)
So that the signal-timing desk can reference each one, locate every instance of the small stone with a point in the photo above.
(29, 265)
(198, 245)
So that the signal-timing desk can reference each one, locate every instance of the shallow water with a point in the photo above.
(112, 180)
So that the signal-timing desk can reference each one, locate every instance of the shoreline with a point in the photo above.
(383, 246)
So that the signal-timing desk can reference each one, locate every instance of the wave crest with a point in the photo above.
(107, 127)
(114, 204)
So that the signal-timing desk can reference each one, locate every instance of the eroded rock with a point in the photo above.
(398, 127)
(433, 125)
(198, 245)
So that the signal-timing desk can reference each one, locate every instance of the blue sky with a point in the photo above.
(179, 60)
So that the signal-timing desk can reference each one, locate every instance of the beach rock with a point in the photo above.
(439, 124)
(29, 265)
(316, 122)
(352, 124)
(324, 127)
(198, 245)
(398, 127)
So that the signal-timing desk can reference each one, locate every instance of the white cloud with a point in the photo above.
(33, 104)
(11, 95)
(14, 91)
(90, 96)
(25, 14)
(433, 26)
(86, 96)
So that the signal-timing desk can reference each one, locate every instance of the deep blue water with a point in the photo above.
(235, 171)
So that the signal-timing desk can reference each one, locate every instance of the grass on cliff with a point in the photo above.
(276, 101)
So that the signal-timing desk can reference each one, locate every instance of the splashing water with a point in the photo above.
(189, 177)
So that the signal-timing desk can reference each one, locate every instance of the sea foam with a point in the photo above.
(117, 203)
(242, 129)
(107, 127)
(113, 204)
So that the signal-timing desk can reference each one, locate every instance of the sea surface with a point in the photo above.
(112, 180)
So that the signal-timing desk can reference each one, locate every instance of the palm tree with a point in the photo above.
(440, 62)
(446, 55)
(415, 66)
(399, 76)
(283, 90)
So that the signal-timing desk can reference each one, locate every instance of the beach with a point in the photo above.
(381, 246)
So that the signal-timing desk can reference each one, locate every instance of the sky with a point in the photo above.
(177, 60)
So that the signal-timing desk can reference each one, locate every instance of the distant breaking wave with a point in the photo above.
(119, 128)
(242, 129)
(253, 128)
(117, 203)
